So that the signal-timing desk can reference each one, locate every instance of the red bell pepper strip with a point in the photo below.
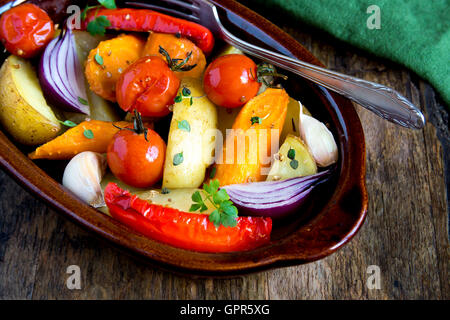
(148, 20)
(182, 229)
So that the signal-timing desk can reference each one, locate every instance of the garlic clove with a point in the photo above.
(83, 175)
(319, 140)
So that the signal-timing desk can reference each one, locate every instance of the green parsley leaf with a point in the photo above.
(214, 217)
(109, 4)
(178, 158)
(291, 154)
(212, 187)
(184, 125)
(220, 196)
(83, 101)
(228, 221)
(255, 120)
(191, 101)
(294, 164)
(203, 208)
(194, 207)
(225, 212)
(98, 26)
(196, 197)
(68, 123)
(99, 59)
(88, 134)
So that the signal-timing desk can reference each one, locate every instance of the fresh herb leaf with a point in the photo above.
(83, 101)
(294, 164)
(186, 92)
(178, 158)
(109, 4)
(184, 125)
(68, 123)
(194, 207)
(212, 174)
(88, 134)
(214, 217)
(98, 26)
(225, 212)
(191, 101)
(196, 197)
(220, 196)
(178, 98)
(255, 120)
(291, 154)
(99, 59)
(173, 63)
(165, 191)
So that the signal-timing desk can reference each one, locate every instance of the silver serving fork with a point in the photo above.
(383, 101)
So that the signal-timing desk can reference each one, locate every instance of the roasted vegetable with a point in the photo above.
(292, 160)
(24, 113)
(92, 135)
(191, 138)
(82, 176)
(105, 63)
(257, 125)
(101, 109)
(180, 199)
(142, 20)
(291, 124)
(184, 229)
(178, 49)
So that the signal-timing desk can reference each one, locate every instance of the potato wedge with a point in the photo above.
(291, 122)
(191, 142)
(283, 168)
(24, 113)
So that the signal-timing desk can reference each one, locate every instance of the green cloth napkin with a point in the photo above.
(414, 33)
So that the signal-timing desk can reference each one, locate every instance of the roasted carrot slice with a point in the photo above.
(258, 124)
(91, 135)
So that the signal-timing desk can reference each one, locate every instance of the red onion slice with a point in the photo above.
(61, 74)
(274, 199)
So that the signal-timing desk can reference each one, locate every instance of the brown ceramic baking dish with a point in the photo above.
(330, 218)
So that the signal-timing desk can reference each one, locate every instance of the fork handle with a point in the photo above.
(381, 100)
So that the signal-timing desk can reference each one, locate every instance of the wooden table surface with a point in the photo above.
(405, 233)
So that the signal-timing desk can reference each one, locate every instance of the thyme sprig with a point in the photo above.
(177, 64)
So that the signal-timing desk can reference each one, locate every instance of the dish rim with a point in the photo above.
(284, 252)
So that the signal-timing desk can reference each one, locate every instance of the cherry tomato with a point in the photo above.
(25, 30)
(230, 80)
(149, 86)
(134, 160)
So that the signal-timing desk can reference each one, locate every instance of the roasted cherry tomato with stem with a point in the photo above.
(136, 155)
(230, 80)
(26, 30)
(149, 86)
